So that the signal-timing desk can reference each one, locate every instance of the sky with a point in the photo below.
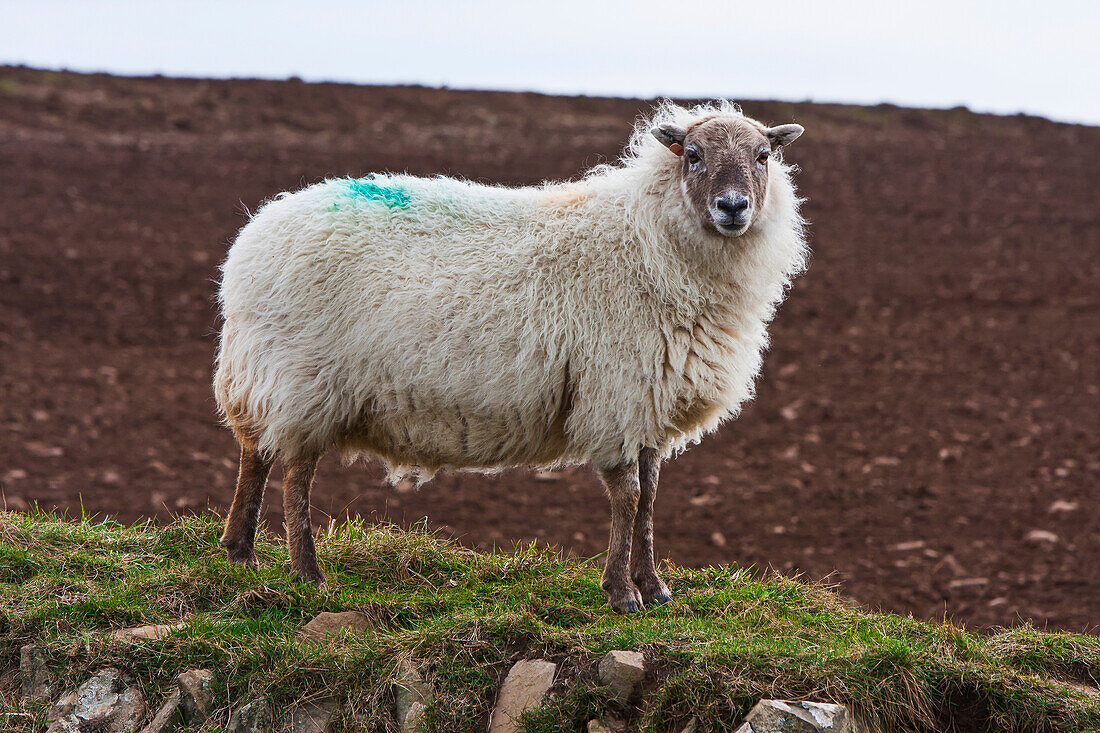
(1003, 56)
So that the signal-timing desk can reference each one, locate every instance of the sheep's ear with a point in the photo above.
(671, 136)
(781, 135)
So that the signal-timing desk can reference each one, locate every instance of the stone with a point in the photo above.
(524, 687)
(167, 718)
(414, 716)
(598, 726)
(151, 631)
(312, 717)
(622, 671)
(795, 716)
(196, 689)
(32, 671)
(255, 717)
(327, 624)
(108, 702)
(410, 692)
(693, 726)
(1041, 536)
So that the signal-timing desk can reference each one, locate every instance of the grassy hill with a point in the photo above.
(731, 637)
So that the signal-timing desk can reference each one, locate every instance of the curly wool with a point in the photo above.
(442, 324)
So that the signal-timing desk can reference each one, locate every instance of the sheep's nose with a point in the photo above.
(732, 207)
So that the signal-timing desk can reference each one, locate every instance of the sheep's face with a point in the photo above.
(723, 172)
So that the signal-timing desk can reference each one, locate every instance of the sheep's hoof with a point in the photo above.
(625, 599)
(240, 554)
(653, 589)
(312, 576)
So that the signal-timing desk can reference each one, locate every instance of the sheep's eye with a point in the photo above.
(692, 155)
(763, 157)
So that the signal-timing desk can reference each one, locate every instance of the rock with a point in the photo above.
(967, 583)
(327, 624)
(255, 717)
(312, 717)
(414, 716)
(152, 631)
(196, 689)
(788, 716)
(622, 671)
(693, 726)
(32, 670)
(597, 726)
(412, 695)
(526, 685)
(1041, 536)
(109, 702)
(167, 718)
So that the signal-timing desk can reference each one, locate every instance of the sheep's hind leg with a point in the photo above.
(643, 569)
(297, 479)
(239, 537)
(622, 488)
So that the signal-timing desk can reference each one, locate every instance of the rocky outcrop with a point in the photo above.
(312, 717)
(787, 716)
(412, 695)
(329, 624)
(189, 703)
(109, 702)
(622, 671)
(524, 688)
(150, 631)
(196, 688)
(167, 718)
(32, 671)
(255, 717)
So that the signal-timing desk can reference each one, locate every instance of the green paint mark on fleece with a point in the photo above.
(388, 194)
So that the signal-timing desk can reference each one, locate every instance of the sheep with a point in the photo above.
(443, 324)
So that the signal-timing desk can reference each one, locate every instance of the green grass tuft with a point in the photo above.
(731, 637)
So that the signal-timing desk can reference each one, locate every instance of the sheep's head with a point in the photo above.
(723, 170)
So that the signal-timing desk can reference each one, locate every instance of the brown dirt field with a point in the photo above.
(929, 403)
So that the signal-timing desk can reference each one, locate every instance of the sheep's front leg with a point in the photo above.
(244, 515)
(643, 568)
(622, 488)
(297, 479)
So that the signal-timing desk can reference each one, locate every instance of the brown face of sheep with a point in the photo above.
(724, 168)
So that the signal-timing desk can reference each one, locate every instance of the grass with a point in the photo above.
(730, 638)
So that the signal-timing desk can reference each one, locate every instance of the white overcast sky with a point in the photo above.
(1001, 56)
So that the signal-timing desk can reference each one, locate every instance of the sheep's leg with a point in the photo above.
(244, 515)
(622, 488)
(297, 479)
(643, 568)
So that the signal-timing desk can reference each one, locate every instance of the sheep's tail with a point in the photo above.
(231, 392)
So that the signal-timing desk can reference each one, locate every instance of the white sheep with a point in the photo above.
(442, 324)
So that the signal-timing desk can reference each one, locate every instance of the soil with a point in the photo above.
(926, 432)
